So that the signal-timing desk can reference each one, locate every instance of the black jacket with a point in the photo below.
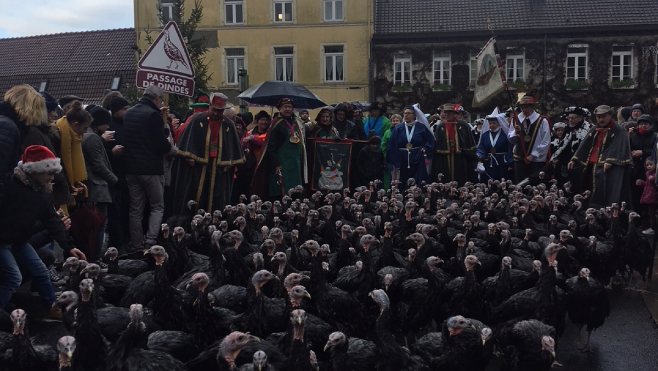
(144, 139)
(117, 162)
(10, 142)
(370, 166)
(22, 206)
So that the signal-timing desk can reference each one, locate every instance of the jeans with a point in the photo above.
(102, 206)
(142, 188)
(118, 214)
(13, 258)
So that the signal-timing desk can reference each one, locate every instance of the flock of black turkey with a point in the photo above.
(438, 277)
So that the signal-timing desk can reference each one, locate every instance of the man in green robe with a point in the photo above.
(280, 166)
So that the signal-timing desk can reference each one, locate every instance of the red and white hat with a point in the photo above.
(39, 159)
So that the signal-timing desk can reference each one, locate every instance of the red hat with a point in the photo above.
(39, 159)
(219, 101)
(526, 100)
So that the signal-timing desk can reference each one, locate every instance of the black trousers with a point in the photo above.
(523, 171)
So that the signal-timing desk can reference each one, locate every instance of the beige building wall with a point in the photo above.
(258, 35)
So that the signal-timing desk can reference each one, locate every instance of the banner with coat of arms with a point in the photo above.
(490, 76)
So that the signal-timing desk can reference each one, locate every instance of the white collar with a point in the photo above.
(533, 117)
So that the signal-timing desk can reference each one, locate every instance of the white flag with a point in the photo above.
(489, 81)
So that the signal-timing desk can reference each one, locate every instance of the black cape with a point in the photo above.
(196, 182)
(611, 186)
(460, 165)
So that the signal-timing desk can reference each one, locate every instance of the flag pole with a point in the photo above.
(500, 67)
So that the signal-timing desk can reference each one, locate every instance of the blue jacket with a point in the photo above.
(144, 139)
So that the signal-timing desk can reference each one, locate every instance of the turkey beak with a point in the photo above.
(272, 259)
(260, 367)
(553, 354)
(308, 295)
(327, 346)
(254, 339)
(479, 263)
(69, 354)
(484, 342)
(91, 288)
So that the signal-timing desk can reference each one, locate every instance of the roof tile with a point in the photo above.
(81, 63)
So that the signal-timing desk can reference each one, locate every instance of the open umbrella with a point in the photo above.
(270, 92)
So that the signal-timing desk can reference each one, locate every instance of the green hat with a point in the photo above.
(202, 99)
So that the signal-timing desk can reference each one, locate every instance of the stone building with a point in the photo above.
(585, 52)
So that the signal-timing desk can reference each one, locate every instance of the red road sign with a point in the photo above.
(167, 64)
(169, 83)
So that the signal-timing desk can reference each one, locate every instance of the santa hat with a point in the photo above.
(39, 159)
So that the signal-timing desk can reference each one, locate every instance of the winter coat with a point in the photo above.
(42, 136)
(370, 165)
(22, 206)
(145, 141)
(99, 170)
(643, 142)
(10, 143)
(650, 192)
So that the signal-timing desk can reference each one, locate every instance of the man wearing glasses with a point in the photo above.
(574, 133)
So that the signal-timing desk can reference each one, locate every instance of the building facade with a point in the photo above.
(323, 45)
(575, 53)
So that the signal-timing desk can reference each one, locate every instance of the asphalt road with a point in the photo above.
(627, 341)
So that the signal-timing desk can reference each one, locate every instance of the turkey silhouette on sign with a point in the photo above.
(168, 53)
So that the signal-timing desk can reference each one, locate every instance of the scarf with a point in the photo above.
(214, 137)
(600, 135)
(71, 152)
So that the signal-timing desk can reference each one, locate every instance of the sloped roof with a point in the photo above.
(80, 63)
(453, 16)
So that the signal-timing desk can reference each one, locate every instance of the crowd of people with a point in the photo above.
(70, 175)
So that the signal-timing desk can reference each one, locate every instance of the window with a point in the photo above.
(333, 63)
(402, 69)
(116, 80)
(282, 10)
(43, 86)
(283, 63)
(577, 63)
(234, 62)
(442, 68)
(333, 10)
(515, 66)
(473, 69)
(622, 63)
(166, 11)
(233, 12)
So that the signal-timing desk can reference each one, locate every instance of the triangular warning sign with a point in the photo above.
(168, 53)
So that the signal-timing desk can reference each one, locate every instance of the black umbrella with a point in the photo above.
(270, 92)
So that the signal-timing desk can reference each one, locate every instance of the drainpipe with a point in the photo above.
(544, 88)
(371, 32)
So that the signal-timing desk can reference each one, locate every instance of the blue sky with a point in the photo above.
(38, 17)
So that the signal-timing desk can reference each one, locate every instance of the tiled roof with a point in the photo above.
(451, 16)
(80, 63)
